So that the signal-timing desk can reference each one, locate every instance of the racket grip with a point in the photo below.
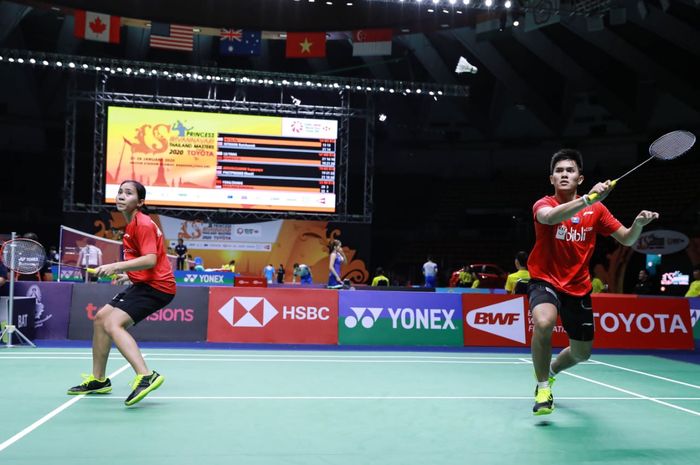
(593, 197)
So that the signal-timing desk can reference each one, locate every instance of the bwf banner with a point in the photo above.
(97, 26)
(371, 42)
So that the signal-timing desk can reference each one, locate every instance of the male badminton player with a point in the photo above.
(147, 267)
(566, 225)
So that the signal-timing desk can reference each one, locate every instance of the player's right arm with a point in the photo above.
(555, 215)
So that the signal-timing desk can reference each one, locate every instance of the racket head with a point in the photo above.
(672, 145)
(23, 256)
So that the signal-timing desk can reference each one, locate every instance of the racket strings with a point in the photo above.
(23, 256)
(672, 145)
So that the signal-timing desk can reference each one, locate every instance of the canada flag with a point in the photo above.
(97, 26)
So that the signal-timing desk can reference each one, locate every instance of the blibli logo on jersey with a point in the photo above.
(571, 235)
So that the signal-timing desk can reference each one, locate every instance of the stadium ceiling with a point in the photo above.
(585, 67)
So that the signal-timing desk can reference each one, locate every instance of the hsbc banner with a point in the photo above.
(400, 318)
(282, 316)
(183, 319)
(631, 322)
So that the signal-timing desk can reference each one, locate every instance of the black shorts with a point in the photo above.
(140, 300)
(576, 312)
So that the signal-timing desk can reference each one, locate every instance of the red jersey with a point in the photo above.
(142, 237)
(562, 251)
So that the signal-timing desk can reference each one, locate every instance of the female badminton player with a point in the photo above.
(566, 225)
(336, 259)
(147, 268)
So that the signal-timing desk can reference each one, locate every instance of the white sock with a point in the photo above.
(543, 384)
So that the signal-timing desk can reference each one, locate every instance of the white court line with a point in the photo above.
(51, 414)
(339, 360)
(641, 396)
(104, 398)
(626, 391)
(670, 380)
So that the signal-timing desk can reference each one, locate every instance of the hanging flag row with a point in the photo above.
(234, 42)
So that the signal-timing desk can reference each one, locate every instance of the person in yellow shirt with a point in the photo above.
(597, 285)
(694, 290)
(521, 275)
(379, 278)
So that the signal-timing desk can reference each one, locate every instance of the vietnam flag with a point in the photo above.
(306, 44)
(96, 26)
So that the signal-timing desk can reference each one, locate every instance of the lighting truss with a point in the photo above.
(223, 76)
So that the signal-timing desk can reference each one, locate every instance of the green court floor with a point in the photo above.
(305, 407)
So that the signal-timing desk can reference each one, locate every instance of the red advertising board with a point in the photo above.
(494, 320)
(249, 281)
(621, 322)
(283, 316)
(632, 322)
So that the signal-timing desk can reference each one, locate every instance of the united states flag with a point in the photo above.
(171, 36)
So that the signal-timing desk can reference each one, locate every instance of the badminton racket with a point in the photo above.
(667, 147)
(26, 256)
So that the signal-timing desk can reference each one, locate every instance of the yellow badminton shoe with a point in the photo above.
(91, 385)
(142, 385)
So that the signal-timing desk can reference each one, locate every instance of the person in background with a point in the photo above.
(335, 261)
(295, 273)
(230, 266)
(3, 274)
(598, 286)
(645, 285)
(90, 256)
(198, 264)
(280, 274)
(430, 269)
(379, 278)
(467, 278)
(181, 251)
(269, 273)
(694, 290)
(521, 274)
(305, 274)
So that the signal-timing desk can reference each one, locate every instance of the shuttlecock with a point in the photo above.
(463, 66)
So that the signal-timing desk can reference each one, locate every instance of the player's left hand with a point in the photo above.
(645, 217)
(110, 269)
(121, 278)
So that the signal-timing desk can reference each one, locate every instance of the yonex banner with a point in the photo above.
(183, 319)
(52, 307)
(400, 318)
(695, 315)
(283, 316)
(204, 278)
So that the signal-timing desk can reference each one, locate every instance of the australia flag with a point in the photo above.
(240, 42)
